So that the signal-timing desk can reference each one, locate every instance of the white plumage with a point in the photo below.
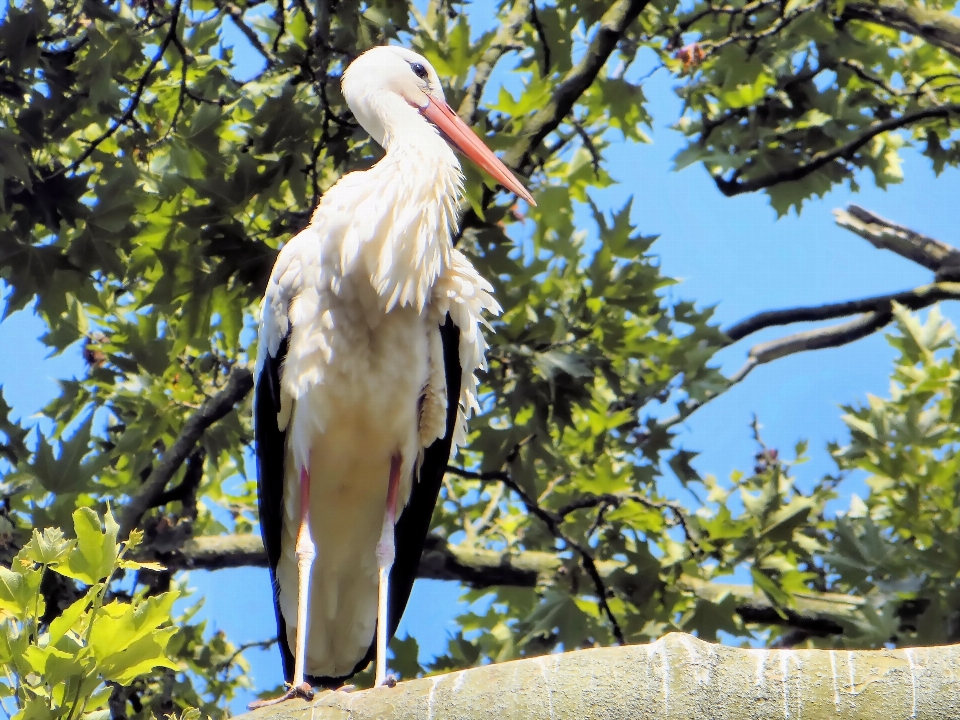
(359, 296)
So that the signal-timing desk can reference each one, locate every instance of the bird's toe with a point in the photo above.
(303, 692)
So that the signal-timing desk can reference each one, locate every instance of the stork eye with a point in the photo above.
(419, 70)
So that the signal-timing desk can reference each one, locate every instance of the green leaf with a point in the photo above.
(49, 547)
(95, 556)
(68, 472)
(139, 657)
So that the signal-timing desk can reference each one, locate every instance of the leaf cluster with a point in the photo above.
(69, 662)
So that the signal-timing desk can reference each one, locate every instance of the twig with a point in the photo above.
(503, 42)
(612, 27)
(135, 100)
(588, 144)
(589, 500)
(238, 385)
(887, 235)
(734, 186)
(553, 525)
(262, 644)
(542, 35)
(915, 299)
(236, 14)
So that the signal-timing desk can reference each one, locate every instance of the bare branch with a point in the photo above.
(503, 42)
(915, 299)
(818, 339)
(483, 568)
(885, 234)
(613, 26)
(238, 385)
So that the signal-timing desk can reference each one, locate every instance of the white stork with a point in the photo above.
(369, 339)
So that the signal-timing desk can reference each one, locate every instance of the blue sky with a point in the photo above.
(732, 252)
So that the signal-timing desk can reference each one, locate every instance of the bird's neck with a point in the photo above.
(419, 183)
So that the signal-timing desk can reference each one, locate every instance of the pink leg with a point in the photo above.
(306, 552)
(385, 556)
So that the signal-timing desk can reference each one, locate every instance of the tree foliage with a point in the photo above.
(146, 189)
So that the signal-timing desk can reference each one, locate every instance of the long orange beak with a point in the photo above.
(467, 142)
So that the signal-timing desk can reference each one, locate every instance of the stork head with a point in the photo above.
(395, 93)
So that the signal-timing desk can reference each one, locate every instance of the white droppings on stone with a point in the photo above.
(458, 683)
(761, 662)
(795, 658)
(833, 672)
(546, 681)
(785, 669)
(698, 661)
(660, 648)
(913, 679)
(432, 696)
(853, 683)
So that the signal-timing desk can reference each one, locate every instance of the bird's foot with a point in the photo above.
(389, 681)
(303, 691)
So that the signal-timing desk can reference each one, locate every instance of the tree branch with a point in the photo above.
(502, 43)
(915, 299)
(885, 234)
(137, 94)
(735, 186)
(818, 339)
(482, 568)
(238, 385)
(612, 27)
(552, 522)
(935, 27)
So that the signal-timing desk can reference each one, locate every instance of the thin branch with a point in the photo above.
(589, 500)
(236, 14)
(542, 35)
(734, 186)
(503, 42)
(819, 339)
(127, 116)
(612, 28)
(887, 235)
(935, 27)
(260, 644)
(238, 385)
(552, 522)
(915, 299)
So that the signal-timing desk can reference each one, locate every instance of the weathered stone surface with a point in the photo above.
(677, 677)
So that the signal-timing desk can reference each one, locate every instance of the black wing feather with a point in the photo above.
(411, 529)
(271, 445)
